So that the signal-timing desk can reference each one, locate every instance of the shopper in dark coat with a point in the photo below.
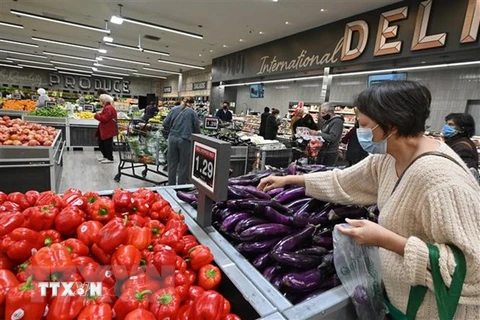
(331, 132)
(458, 130)
(107, 128)
(355, 152)
(150, 111)
(224, 114)
(263, 121)
(307, 122)
(271, 127)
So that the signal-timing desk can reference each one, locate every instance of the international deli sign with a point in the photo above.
(418, 28)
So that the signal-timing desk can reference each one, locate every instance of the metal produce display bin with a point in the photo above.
(82, 133)
(13, 114)
(258, 158)
(32, 168)
(332, 304)
(57, 123)
(238, 160)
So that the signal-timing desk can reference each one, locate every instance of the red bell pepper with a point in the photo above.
(199, 256)
(139, 207)
(146, 195)
(173, 239)
(101, 311)
(160, 210)
(5, 262)
(76, 247)
(52, 263)
(49, 198)
(141, 282)
(126, 261)
(195, 292)
(25, 299)
(129, 301)
(10, 221)
(66, 307)
(192, 275)
(8, 279)
(140, 314)
(107, 297)
(122, 199)
(182, 291)
(165, 303)
(51, 236)
(3, 197)
(88, 268)
(184, 313)
(136, 220)
(9, 206)
(164, 262)
(40, 218)
(91, 196)
(190, 242)
(73, 191)
(209, 277)
(24, 270)
(75, 200)
(182, 279)
(32, 197)
(2, 303)
(178, 225)
(156, 227)
(210, 306)
(140, 238)
(180, 264)
(103, 257)
(231, 316)
(103, 210)
(113, 234)
(68, 220)
(20, 199)
(89, 232)
(176, 216)
(21, 243)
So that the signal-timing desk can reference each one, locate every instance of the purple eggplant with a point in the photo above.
(261, 261)
(300, 218)
(240, 182)
(351, 212)
(290, 195)
(274, 192)
(292, 169)
(277, 282)
(327, 261)
(255, 192)
(236, 193)
(265, 231)
(186, 196)
(295, 240)
(225, 213)
(260, 246)
(313, 251)
(296, 260)
(235, 236)
(239, 247)
(249, 222)
(275, 216)
(232, 220)
(297, 203)
(271, 271)
(303, 281)
(320, 217)
(331, 282)
(262, 175)
(323, 238)
(258, 205)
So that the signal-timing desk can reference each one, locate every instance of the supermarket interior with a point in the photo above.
(342, 130)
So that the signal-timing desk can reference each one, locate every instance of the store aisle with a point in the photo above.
(82, 170)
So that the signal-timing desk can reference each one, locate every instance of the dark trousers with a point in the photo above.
(106, 147)
(178, 158)
(327, 159)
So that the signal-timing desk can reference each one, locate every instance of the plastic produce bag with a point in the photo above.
(359, 270)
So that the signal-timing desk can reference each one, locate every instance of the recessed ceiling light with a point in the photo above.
(107, 39)
(10, 66)
(75, 74)
(94, 69)
(106, 76)
(322, 10)
(71, 64)
(23, 54)
(36, 67)
(241, 40)
(12, 25)
(181, 64)
(211, 50)
(275, 0)
(74, 70)
(68, 56)
(68, 44)
(148, 75)
(261, 32)
(424, 62)
(115, 73)
(286, 22)
(30, 61)
(19, 43)
(113, 67)
(200, 55)
(116, 20)
(125, 60)
(161, 70)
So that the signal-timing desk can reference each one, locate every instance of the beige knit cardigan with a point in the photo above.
(437, 202)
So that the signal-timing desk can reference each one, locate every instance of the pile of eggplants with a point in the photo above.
(285, 234)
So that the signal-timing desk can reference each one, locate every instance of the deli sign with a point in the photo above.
(400, 31)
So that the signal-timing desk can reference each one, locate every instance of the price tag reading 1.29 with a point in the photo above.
(203, 167)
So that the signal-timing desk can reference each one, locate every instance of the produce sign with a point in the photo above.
(85, 256)
(55, 112)
(16, 132)
(285, 234)
(203, 169)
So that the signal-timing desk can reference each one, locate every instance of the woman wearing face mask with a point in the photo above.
(429, 209)
(458, 130)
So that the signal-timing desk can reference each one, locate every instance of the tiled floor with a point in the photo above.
(82, 170)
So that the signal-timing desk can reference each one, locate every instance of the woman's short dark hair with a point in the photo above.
(275, 111)
(464, 122)
(404, 105)
(267, 109)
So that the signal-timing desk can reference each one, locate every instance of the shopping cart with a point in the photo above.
(140, 145)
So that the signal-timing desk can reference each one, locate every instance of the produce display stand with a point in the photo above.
(332, 304)
(14, 114)
(259, 158)
(57, 123)
(82, 133)
(239, 160)
(26, 168)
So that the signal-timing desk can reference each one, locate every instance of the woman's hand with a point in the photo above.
(369, 233)
(272, 182)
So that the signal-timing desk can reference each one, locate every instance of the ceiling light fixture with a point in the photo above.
(76, 74)
(241, 40)
(11, 25)
(20, 43)
(125, 60)
(68, 56)
(106, 76)
(112, 67)
(23, 54)
(36, 67)
(10, 66)
(116, 20)
(148, 75)
(211, 50)
(124, 46)
(322, 10)
(159, 27)
(94, 69)
(199, 54)
(161, 70)
(74, 70)
(30, 61)
(225, 46)
(286, 22)
(68, 44)
(64, 22)
(71, 64)
(261, 32)
(275, 0)
(166, 54)
(107, 39)
(182, 64)
(115, 73)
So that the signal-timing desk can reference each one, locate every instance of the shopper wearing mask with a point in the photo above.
(263, 121)
(271, 127)
(224, 114)
(306, 121)
(107, 128)
(150, 111)
(181, 122)
(355, 152)
(428, 202)
(458, 130)
(331, 132)
(42, 98)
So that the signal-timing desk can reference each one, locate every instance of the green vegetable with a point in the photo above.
(50, 112)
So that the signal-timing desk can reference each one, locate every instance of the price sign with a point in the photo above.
(203, 169)
(211, 123)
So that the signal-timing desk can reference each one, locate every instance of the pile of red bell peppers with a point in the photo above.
(134, 243)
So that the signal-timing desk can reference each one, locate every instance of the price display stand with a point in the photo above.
(209, 172)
